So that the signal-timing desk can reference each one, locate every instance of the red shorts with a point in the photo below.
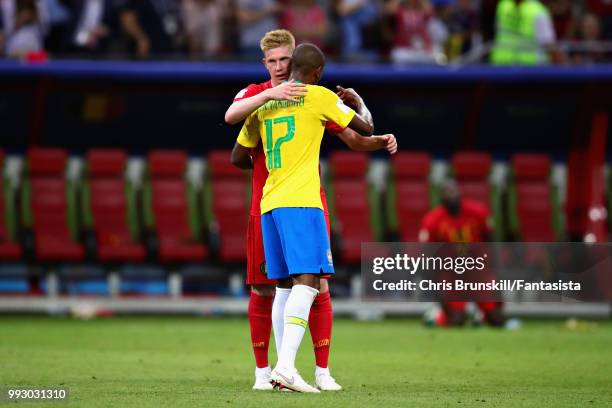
(256, 259)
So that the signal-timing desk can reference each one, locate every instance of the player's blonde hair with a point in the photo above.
(277, 38)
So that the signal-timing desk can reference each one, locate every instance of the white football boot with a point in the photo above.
(262, 379)
(324, 381)
(291, 379)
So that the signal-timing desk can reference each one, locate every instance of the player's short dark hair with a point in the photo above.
(306, 58)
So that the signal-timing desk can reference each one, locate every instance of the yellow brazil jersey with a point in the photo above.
(291, 133)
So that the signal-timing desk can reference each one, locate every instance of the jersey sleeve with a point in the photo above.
(334, 128)
(247, 92)
(329, 107)
(249, 134)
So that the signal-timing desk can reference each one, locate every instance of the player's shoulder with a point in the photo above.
(433, 216)
(319, 90)
(429, 224)
(474, 207)
(322, 98)
(252, 90)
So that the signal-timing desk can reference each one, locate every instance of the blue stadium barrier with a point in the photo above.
(14, 279)
(214, 71)
(83, 280)
(143, 280)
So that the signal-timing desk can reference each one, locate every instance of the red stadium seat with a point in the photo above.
(408, 193)
(169, 212)
(532, 209)
(229, 206)
(10, 249)
(49, 207)
(351, 204)
(472, 170)
(105, 207)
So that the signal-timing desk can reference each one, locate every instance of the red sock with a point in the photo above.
(320, 322)
(260, 321)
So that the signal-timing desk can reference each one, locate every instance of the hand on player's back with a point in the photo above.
(287, 91)
(349, 96)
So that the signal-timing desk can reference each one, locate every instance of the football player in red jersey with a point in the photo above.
(459, 220)
(266, 303)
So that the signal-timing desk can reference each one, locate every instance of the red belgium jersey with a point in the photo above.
(471, 224)
(260, 172)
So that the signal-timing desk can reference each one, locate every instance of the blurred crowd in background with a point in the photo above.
(401, 31)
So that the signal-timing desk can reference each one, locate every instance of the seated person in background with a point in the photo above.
(459, 220)
(413, 42)
(602, 9)
(354, 15)
(255, 19)
(463, 27)
(27, 37)
(56, 20)
(95, 26)
(590, 49)
(563, 17)
(203, 21)
(306, 20)
(152, 26)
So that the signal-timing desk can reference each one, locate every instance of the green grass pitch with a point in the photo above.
(189, 362)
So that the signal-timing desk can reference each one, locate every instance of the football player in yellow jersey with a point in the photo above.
(296, 242)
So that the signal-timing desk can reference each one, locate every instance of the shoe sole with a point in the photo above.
(282, 387)
(263, 389)
(324, 390)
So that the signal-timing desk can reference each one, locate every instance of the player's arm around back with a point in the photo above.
(240, 109)
(241, 157)
(359, 125)
(247, 139)
(360, 143)
(351, 98)
(330, 108)
(351, 138)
